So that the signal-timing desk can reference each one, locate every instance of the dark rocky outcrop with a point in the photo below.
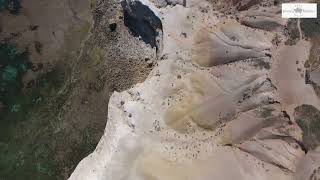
(142, 22)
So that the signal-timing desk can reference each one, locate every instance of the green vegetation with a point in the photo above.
(308, 118)
(311, 30)
(311, 26)
(39, 138)
(260, 63)
(96, 56)
(13, 6)
(316, 88)
(34, 144)
(266, 112)
(38, 46)
(24, 152)
(313, 61)
(293, 32)
(12, 66)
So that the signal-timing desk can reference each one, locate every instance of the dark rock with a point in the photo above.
(183, 34)
(33, 27)
(307, 77)
(15, 34)
(113, 27)
(142, 22)
(268, 55)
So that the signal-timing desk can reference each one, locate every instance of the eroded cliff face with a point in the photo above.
(221, 103)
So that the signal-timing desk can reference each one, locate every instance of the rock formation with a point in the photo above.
(220, 104)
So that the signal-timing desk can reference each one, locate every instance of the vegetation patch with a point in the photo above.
(33, 142)
(308, 118)
(311, 30)
(38, 46)
(96, 56)
(292, 32)
(266, 112)
(13, 6)
(316, 88)
(313, 61)
(311, 26)
(260, 63)
(13, 66)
